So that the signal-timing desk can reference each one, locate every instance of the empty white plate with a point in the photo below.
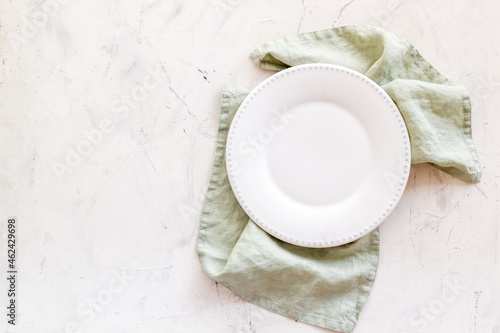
(318, 155)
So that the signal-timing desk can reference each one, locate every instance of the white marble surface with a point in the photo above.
(141, 79)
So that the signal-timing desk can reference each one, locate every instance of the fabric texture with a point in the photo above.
(328, 287)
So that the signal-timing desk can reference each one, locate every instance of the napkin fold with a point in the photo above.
(328, 287)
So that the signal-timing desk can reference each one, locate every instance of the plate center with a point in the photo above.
(321, 153)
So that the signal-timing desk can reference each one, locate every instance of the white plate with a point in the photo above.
(318, 155)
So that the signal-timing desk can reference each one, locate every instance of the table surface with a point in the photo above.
(108, 124)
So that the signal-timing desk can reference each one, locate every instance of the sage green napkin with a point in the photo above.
(329, 287)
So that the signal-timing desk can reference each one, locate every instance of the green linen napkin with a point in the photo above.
(328, 287)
